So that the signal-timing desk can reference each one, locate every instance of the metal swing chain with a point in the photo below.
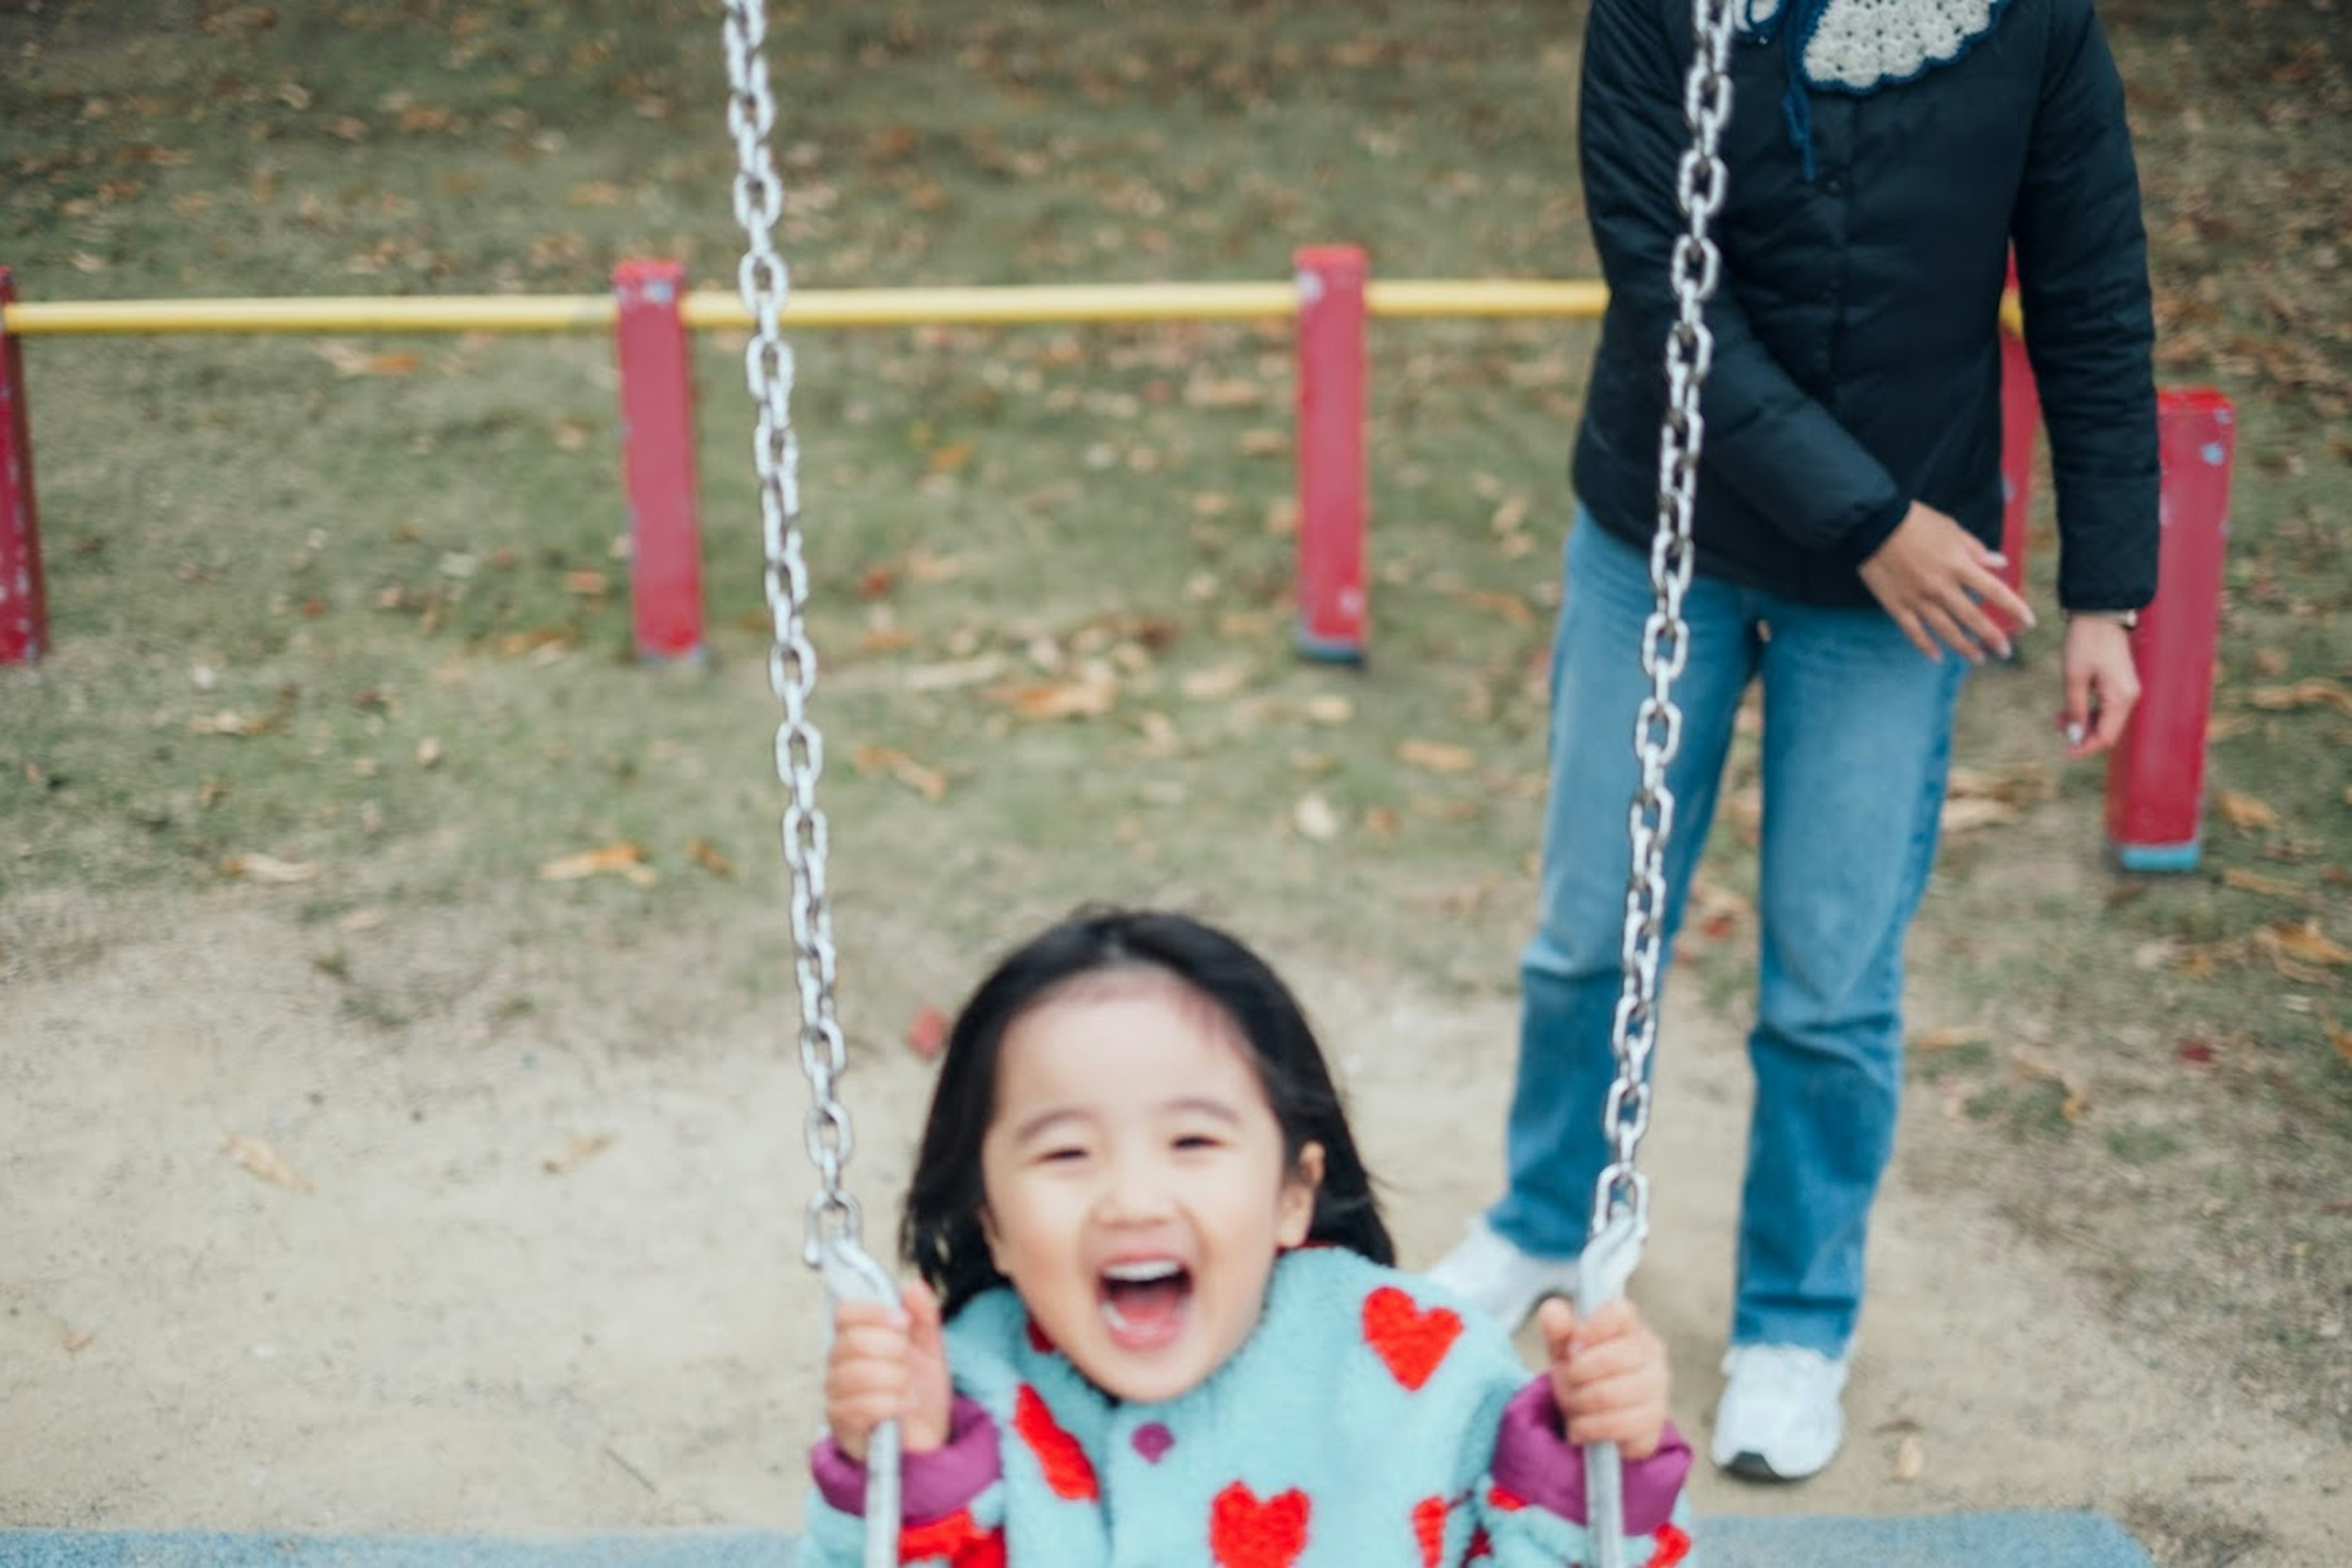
(832, 1243)
(1620, 1198)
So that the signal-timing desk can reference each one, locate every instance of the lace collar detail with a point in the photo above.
(1857, 46)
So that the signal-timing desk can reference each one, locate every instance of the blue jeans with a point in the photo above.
(1857, 740)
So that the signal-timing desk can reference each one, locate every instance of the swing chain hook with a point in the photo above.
(765, 283)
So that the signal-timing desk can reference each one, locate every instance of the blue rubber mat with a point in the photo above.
(1957, 1540)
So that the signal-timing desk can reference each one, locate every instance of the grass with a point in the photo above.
(392, 564)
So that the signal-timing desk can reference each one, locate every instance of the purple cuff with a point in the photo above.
(1534, 1462)
(935, 1485)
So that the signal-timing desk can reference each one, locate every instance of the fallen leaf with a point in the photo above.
(620, 857)
(2247, 881)
(265, 1162)
(584, 1146)
(2310, 944)
(2244, 811)
(1087, 699)
(269, 869)
(1263, 443)
(1205, 392)
(1216, 682)
(2073, 1102)
(1965, 814)
(2302, 694)
(2340, 1036)
(950, 459)
(1315, 818)
(227, 723)
(705, 854)
(428, 753)
(1436, 756)
(1910, 1458)
(928, 783)
(927, 1032)
(1949, 1038)
(952, 675)
(78, 1340)
(587, 582)
(2198, 1054)
(1330, 708)
(570, 434)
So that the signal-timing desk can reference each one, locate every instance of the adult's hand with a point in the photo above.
(2102, 683)
(1940, 584)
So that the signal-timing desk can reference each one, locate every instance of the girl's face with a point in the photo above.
(1135, 1190)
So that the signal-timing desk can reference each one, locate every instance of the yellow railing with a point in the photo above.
(806, 308)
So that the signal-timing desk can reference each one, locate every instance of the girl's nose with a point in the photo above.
(1134, 1192)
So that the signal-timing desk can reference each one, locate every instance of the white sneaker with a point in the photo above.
(1780, 1419)
(1499, 1280)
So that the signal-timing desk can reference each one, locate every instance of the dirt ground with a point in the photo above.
(541, 1274)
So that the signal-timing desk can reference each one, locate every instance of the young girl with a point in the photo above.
(1158, 1323)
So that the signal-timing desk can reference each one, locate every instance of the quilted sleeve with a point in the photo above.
(953, 1501)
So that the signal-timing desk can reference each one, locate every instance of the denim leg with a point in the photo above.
(1857, 743)
(1569, 972)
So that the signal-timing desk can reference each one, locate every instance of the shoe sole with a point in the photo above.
(1749, 1466)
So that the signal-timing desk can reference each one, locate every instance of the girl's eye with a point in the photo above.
(1197, 1141)
(1062, 1156)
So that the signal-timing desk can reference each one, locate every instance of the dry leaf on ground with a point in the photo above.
(269, 869)
(928, 783)
(1437, 756)
(225, 723)
(1088, 698)
(2247, 881)
(2246, 812)
(620, 857)
(1950, 1037)
(583, 1147)
(2302, 694)
(1965, 814)
(1330, 708)
(2075, 1102)
(705, 854)
(1216, 682)
(265, 1162)
(2308, 944)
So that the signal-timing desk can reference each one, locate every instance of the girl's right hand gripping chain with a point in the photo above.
(889, 1363)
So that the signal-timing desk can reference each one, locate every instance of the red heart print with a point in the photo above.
(1067, 1469)
(1246, 1533)
(1429, 1528)
(1411, 1341)
(958, 1538)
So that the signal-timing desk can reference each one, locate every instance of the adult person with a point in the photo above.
(1884, 156)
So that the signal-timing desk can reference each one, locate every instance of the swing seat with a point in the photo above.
(2024, 1540)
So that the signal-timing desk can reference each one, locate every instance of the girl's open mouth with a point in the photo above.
(1144, 1301)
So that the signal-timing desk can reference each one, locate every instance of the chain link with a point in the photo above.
(1696, 267)
(765, 283)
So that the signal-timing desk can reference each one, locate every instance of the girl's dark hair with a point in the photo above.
(941, 1237)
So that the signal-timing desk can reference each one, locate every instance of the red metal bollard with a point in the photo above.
(24, 604)
(2021, 415)
(1331, 453)
(2156, 780)
(657, 460)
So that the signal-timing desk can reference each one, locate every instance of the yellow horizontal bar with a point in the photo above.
(455, 313)
(817, 308)
(805, 308)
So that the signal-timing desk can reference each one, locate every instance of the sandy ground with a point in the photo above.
(541, 1273)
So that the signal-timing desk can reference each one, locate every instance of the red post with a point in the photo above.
(2021, 415)
(657, 460)
(24, 606)
(2156, 780)
(1331, 453)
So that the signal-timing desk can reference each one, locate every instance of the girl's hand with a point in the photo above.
(889, 1363)
(1940, 584)
(2102, 684)
(1608, 1376)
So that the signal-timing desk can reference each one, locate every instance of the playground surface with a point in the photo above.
(402, 1131)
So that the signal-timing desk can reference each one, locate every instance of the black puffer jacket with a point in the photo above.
(1856, 361)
